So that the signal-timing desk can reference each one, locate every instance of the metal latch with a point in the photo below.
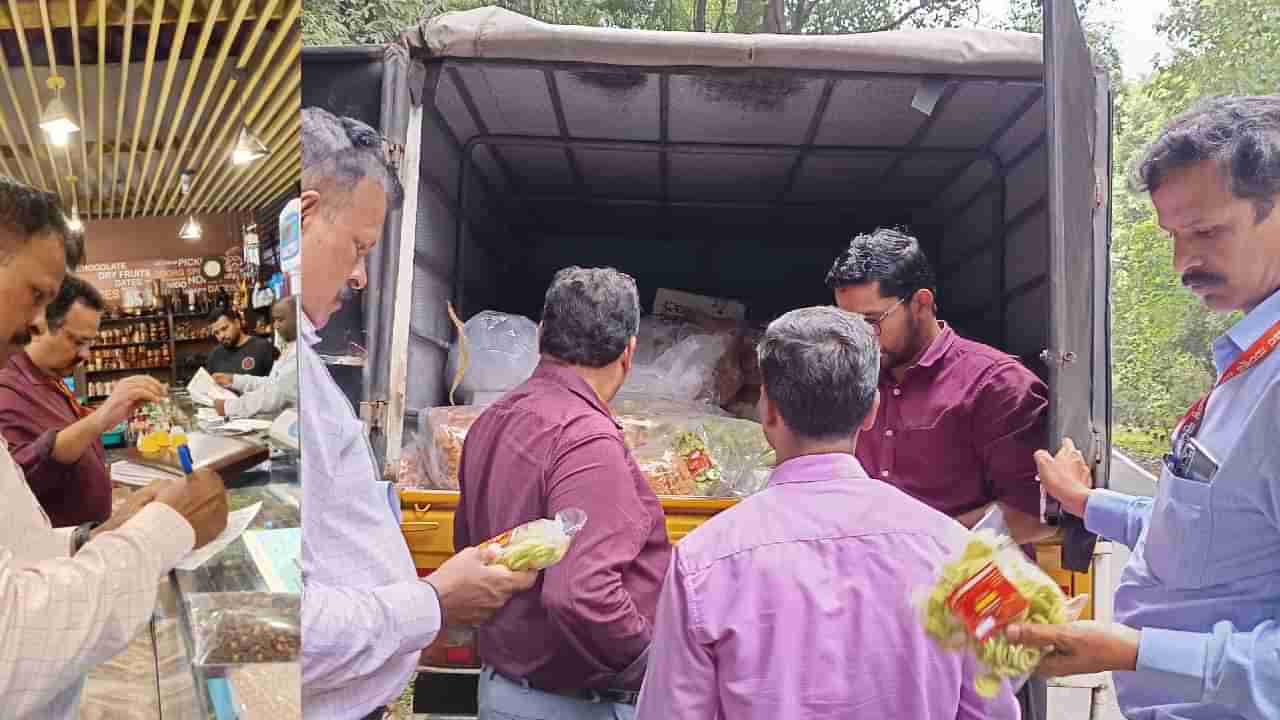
(1057, 357)
(1097, 193)
(394, 155)
(1097, 445)
(372, 413)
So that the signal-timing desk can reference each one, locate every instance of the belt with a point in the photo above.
(619, 697)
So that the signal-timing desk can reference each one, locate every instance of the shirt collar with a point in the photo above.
(1246, 332)
(562, 374)
(310, 336)
(938, 349)
(26, 367)
(811, 468)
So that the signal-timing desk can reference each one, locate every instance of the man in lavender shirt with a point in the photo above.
(365, 614)
(798, 602)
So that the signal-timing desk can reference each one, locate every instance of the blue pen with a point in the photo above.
(184, 454)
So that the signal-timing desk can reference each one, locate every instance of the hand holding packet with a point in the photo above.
(986, 585)
(535, 545)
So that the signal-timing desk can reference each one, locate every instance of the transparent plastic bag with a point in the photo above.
(535, 545)
(501, 351)
(700, 455)
(685, 372)
(987, 584)
(238, 628)
(438, 451)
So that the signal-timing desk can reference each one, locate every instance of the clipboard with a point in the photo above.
(224, 455)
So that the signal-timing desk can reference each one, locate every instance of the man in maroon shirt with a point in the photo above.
(575, 646)
(959, 422)
(57, 441)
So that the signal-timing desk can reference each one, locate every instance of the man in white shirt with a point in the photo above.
(267, 395)
(365, 614)
(71, 598)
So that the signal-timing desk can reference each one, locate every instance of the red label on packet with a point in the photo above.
(987, 602)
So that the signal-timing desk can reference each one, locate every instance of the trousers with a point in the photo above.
(503, 699)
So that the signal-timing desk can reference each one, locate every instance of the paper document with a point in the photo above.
(237, 523)
(204, 389)
(247, 425)
(127, 473)
(276, 552)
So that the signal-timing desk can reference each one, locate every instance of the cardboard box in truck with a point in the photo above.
(732, 167)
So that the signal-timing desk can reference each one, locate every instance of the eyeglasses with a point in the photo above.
(875, 324)
(80, 343)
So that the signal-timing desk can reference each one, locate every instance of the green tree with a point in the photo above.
(1162, 334)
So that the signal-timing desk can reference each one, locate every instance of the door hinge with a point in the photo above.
(373, 414)
(1097, 194)
(1097, 445)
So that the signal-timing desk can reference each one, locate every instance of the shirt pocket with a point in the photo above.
(1179, 531)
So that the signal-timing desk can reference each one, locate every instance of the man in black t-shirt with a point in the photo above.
(238, 353)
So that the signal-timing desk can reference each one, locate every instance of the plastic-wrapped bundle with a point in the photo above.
(535, 545)
(499, 353)
(987, 585)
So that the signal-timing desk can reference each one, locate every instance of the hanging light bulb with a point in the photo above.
(190, 230)
(56, 119)
(248, 147)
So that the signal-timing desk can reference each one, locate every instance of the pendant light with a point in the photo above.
(74, 223)
(248, 147)
(56, 119)
(190, 229)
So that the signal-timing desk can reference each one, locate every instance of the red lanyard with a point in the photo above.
(79, 409)
(1190, 423)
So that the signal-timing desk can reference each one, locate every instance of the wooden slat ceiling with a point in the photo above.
(157, 87)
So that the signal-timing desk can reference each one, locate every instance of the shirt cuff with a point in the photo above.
(239, 382)
(1107, 514)
(418, 612)
(65, 534)
(1179, 656)
(44, 445)
(164, 531)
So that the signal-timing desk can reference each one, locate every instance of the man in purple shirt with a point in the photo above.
(798, 602)
(56, 441)
(959, 422)
(575, 646)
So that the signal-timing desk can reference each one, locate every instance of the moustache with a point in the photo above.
(22, 338)
(1202, 279)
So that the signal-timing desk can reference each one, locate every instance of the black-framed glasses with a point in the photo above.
(879, 320)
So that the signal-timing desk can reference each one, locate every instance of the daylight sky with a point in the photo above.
(1135, 25)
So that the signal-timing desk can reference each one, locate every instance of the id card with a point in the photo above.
(1198, 463)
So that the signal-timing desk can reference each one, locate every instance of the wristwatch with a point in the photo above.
(81, 535)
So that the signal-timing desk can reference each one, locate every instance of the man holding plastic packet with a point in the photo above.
(798, 602)
(365, 614)
(576, 647)
(1198, 606)
(74, 597)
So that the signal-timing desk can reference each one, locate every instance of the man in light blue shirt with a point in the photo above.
(365, 614)
(1199, 602)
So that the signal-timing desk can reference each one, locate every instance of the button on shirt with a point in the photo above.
(365, 614)
(961, 429)
(549, 445)
(60, 616)
(797, 603)
(33, 410)
(1203, 582)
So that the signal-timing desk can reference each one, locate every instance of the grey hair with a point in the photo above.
(589, 316)
(1241, 134)
(27, 212)
(339, 152)
(821, 366)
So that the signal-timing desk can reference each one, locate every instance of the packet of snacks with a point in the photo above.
(535, 545)
(986, 585)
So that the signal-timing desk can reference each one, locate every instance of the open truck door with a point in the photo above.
(1078, 355)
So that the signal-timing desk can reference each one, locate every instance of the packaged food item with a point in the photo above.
(535, 545)
(987, 585)
(244, 627)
